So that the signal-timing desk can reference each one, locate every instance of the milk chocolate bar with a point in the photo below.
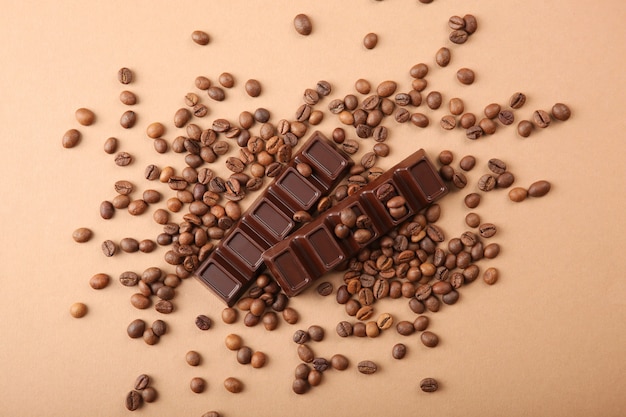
(313, 250)
(237, 260)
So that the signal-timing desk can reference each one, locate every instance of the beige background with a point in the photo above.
(548, 340)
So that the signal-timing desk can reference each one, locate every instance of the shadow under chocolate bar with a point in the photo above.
(297, 261)
(237, 260)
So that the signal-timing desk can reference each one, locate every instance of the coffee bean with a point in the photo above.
(458, 36)
(136, 328)
(541, 118)
(133, 400)
(325, 288)
(467, 120)
(524, 128)
(434, 100)
(539, 188)
(429, 385)
(472, 200)
(465, 76)
(233, 385)
(258, 360)
(128, 119)
(290, 315)
(505, 180)
(203, 322)
(123, 159)
(82, 234)
(303, 24)
(496, 166)
(216, 93)
(164, 307)
(197, 385)
(474, 132)
(490, 276)
(85, 116)
(491, 250)
(487, 230)
(253, 88)
(125, 75)
(517, 100)
(142, 382)
(491, 110)
(429, 339)
(367, 367)
(370, 41)
(386, 88)
(78, 310)
(344, 329)
(226, 79)
(109, 248)
(506, 117)
(70, 138)
(398, 351)
(442, 57)
(459, 180)
(448, 122)
(518, 194)
(561, 112)
(487, 182)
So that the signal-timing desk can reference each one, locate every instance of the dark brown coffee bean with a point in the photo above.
(233, 385)
(203, 322)
(561, 112)
(216, 93)
(429, 339)
(125, 75)
(197, 385)
(496, 166)
(517, 100)
(541, 118)
(370, 40)
(465, 76)
(200, 37)
(448, 122)
(474, 132)
(398, 351)
(367, 367)
(434, 100)
(253, 88)
(350, 146)
(344, 329)
(429, 385)
(123, 159)
(472, 200)
(136, 328)
(442, 57)
(458, 36)
(505, 180)
(487, 230)
(303, 24)
(133, 400)
(487, 182)
(459, 180)
(142, 382)
(539, 188)
(325, 289)
(226, 79)
(109, 248)
(70, 138)
(524, 128)
(490, 276)
(506, 117)
(128, 119)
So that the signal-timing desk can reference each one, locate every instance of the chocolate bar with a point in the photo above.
(237, 260)
(397, 195)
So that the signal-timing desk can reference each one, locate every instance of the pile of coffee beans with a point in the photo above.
(416, 263)
(141, 393)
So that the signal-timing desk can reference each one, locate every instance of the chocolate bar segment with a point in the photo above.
(237, 260)
(397, 195)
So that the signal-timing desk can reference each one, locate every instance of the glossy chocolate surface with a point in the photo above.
(237, 260)
(310, 252)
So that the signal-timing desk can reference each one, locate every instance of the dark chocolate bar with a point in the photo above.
(307, 254)
(237, 260)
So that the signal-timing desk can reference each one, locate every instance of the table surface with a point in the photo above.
(547, 340)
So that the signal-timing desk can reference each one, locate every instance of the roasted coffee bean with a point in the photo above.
(110, 145)
(539, 188)
(465, 76)
(197, 385)
(496, 166)
(488, 126)
(386, 88)
(159, 327)
(134, 400)
(505, 180)
(109, 248)
(490, 276)
(233, 385)
(203, 322)
(506, 117)
(517, 100)
(467, 120)
(82, 234)
(448, 122)
(142, 382)
(518, 194)
(541, 118)
(491, 110)
(71, 138)
(458, 36)
(123, 159)
(487, 230)
(429, 339)
(367, 367)
(193, 358)
(216, 93)
(344, 329)
(491, 250)
(125, 75)
(303, 24)
(85, 116)
(442, 57)
(487, 182)
(561, 112)
(435, 233)
(472, 200)
(434, 100)
(136, 328)
(467, 163)
(398, 351)
(200, 37)
(524, 128)
(429, 385)
(405, 328)
(474, 132)
(78, 310)
(370, 40)
(128, 119)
